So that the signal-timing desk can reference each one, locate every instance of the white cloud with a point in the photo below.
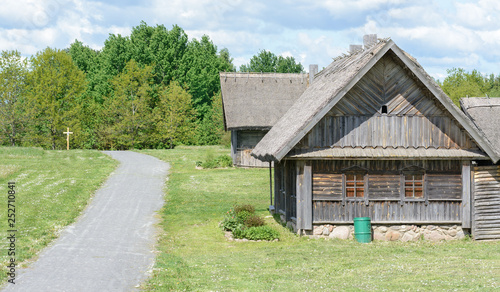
(441, 34)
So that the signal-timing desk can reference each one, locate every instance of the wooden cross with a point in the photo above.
(67, 138)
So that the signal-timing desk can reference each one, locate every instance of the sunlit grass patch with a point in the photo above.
(195, 255)
(52, 188)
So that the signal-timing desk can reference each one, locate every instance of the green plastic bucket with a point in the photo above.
(363, 229)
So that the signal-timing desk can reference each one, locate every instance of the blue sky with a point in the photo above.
(439, 34)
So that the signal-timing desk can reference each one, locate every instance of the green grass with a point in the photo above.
(194, 254)
(52, 189)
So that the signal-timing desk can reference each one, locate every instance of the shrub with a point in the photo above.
(225, 161)
(212, 162)
(254, 221)
(230, 221)
(239, 233)
(261, 233)
(247, 207)
(243, 223)
(243, 215)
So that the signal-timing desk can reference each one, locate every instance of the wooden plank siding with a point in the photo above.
(386, 131)
(387, 212)
(243, 142)
(384, 198)
(304, 196)
(285, 190)
(486, 202)
(413, 117)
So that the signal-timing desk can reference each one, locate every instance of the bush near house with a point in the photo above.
(243, 223)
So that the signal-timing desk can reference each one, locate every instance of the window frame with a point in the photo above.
(363, 175)
(413, 171)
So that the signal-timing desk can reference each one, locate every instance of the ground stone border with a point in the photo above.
(402, 233)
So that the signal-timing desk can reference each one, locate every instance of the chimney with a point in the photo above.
(369, 40)
(355, 48)
(313, 70)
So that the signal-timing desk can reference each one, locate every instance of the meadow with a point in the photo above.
(195, 255)
(51, 190)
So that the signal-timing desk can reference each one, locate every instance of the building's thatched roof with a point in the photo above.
(331, 84)
(485, 113)
(258, 100)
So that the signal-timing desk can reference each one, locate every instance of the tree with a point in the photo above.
(55, 86)
(127, 111)
(460, 84)
(266, 61)
(13, 72)
(160, 48)
(173, 117)
(211, 129)
(202, 66)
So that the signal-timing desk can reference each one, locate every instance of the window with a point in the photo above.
(414, 185)
(354, 185)
(384, 109)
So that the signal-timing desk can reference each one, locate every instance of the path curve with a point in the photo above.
(110, 247)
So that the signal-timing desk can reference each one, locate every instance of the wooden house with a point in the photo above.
(253, 103)
(375, 136)
(485, 114)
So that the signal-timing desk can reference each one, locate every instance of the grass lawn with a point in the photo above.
(52, 188)
(194, 254)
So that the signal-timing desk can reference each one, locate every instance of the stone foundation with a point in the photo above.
(391, 232)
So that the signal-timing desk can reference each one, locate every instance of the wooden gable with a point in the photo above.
(387, 108)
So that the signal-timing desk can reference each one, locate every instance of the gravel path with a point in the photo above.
(110, 247)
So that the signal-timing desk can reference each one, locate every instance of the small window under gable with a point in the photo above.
(383, 110)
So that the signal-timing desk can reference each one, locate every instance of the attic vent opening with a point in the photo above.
(384, 109)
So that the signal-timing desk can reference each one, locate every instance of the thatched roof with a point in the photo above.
(258, 100)
(485, 113)
(331, 84)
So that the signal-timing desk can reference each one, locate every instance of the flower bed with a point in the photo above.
(243, 223)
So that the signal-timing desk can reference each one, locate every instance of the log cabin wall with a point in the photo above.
(425, 192)
(486, 192)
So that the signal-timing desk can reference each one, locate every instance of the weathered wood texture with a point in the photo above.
(384, 195)
(466, 194)
(413, 118)
(486, 202)
(388, 211)
(304, 196)
(245, 141)
(285, 189)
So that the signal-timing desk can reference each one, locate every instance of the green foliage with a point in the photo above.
(128, 110)
(13, 73)
(243, 223)
(267, 61)
(254, 221)
(53, 100)
(210, 129)
(243, 216)
(231, 221)
(215, 162)
(173, 117)
(261, 233)
(225, 161)
(246, 207)
(460, 84)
